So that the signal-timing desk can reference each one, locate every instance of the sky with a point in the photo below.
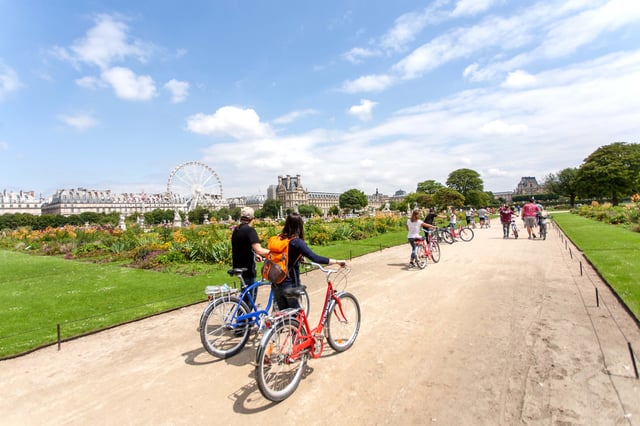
(367, 94)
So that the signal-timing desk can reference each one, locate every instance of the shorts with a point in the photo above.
(530, 221)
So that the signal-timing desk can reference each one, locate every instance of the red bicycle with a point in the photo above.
(426, 248)
(284, 349)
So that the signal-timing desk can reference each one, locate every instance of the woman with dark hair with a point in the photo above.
(294, 230)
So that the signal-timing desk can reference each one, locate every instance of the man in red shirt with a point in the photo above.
(529, 212)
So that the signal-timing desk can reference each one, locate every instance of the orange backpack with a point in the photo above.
(276, 263)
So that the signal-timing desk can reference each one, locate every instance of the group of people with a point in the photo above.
(530, 214)
(246, 250)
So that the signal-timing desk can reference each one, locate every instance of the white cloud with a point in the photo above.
(500, 128)
(472, 7)
(128, 85)
(4, 146)
(79, 121)
(519, 79)
(356, 54)
(236, 122)
(9, 81)
(107, 42)
(89, 82)
(369, 83)
(363, 111)
(294, 115)
(179, 90)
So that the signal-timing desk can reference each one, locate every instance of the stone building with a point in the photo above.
(20, 202)
(291, 194)
(68, 202)
(528, 185)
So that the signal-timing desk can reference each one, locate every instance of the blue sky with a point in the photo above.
(349, 94)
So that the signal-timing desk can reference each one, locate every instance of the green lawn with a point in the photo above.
(613, 250)
(37, 293)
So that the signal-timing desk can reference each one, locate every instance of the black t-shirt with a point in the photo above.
(431, 217)
(242, 238)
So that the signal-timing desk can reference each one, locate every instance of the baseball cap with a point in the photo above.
(246, 212)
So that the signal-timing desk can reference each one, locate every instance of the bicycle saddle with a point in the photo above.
(294, 291)
(236, 271)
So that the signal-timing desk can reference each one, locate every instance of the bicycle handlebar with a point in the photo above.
(327, 271)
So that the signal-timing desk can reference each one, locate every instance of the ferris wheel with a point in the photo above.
(194, 184)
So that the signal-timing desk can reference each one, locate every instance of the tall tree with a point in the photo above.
(429, 186)
(353, 199)
(448, 197)
(270, 208)
(611, 171)
(563, 183)
(464, 180)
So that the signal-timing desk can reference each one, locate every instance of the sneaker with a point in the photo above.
(411, 265)
(534, 235)
(529, 236)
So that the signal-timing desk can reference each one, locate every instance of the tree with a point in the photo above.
(563, 183)
(417, 199)
(477, 199)
(429, 186)
(309, 211)
(353, 199)
(271, 208)
(334, 210)
(448, 197)
(611, 171)
(464, 180)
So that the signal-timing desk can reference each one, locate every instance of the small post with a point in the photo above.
(566, 246)
(350, 254)
(59, 336)
(597, 298)
(581, 268)
(570, 253)
(633, 359)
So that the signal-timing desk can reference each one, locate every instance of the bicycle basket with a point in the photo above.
(339, 279)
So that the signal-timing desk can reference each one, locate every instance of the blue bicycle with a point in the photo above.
(227, 320)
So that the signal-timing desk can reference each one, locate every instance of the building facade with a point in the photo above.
(20, 202)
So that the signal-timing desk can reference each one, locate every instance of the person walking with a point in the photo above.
(246, 249)
(298, 249)
(505, 218)
(529, 216)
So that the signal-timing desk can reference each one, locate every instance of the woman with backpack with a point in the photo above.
(293, 230)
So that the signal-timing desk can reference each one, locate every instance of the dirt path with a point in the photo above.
(498, 333)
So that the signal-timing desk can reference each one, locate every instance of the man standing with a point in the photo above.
(529, 216)
(245, 246)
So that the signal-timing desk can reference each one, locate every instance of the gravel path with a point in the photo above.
(498, 333)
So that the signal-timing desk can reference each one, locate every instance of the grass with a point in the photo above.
(613, 250)
(39, 292)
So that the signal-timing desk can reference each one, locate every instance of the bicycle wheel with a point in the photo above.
(220, 333)
(543, 231)
(343, 322)
(434, 247)
(446, 236)
(421, 256)
(514, 228)
(466, 234)
(277, 372)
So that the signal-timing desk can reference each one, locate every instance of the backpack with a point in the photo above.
(275, 267)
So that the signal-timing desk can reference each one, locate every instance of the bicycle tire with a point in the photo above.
(218, 334)
(343, 322)
(435, 251)
(543, 231)
(446, 236)
(421, 256)
(466, 234)
(277, 375)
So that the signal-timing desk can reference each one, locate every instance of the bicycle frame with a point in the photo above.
(312, 341)
(255, 316)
